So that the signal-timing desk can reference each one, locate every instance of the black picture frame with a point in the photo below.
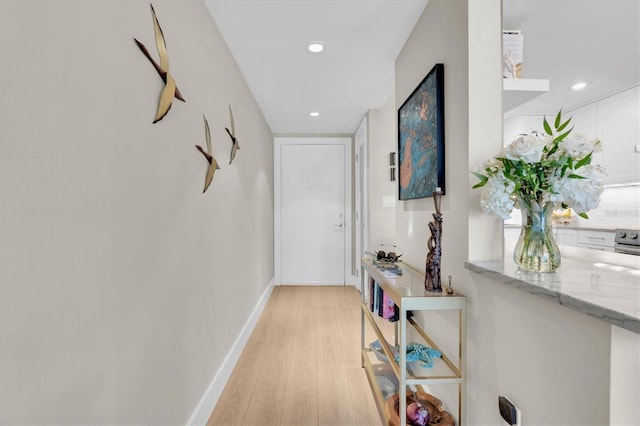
(421, 138)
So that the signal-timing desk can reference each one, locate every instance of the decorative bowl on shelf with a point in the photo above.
(388, 253)
(437, 415)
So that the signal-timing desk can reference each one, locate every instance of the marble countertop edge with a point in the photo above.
(535, 284)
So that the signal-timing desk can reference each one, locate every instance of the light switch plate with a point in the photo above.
(388, 201)
(637, 148)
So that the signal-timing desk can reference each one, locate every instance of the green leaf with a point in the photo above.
(547, 128)
(583, 215)
(586, 160)
(562, 136)
(558, 119)
(563, 125)
(483, 178)
(575, 176)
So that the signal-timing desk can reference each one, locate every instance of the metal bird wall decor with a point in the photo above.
(208, 154)
(170, 89)
(232, 134)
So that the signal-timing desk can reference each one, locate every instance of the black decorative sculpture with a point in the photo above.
(432, 281)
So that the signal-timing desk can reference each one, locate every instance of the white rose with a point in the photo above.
(527, 148)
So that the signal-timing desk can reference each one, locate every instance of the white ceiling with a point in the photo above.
(597, 41)
(354, 73)
(566, 41)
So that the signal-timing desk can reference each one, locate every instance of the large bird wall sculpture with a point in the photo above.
(170, 89)
(208, 154)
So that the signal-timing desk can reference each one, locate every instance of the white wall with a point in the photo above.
(552, 362)
(382, 141)
(122, 286)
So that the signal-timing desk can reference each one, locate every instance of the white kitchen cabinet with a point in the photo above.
(615, 120)
(596, 240)
(619, 131)
(585, 121)
(511, 233)
(566, 237)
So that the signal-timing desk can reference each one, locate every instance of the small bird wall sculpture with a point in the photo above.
(170, 89)
(208, 154)
(232, 134)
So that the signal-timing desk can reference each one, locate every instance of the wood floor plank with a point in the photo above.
(301, 366)
(365, 410)
(265, 409)
(334, 398)
(301, 396)
(234, 401)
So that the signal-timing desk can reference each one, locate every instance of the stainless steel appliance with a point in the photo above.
(627, 241)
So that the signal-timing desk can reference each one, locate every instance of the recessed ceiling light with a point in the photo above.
(315, 47)
(314, 114)
(579, 86)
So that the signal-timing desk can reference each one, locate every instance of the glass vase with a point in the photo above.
(536, 249)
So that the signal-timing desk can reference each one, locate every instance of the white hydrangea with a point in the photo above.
(577, 145)
(527, 148)
(495, 197)
(581, 195)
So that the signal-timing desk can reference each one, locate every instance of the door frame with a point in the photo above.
(278, 142)
(361, 194)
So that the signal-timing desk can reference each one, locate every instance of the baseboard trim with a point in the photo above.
(208, 402)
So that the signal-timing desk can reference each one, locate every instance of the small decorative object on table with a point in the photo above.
(432, 281)
(417, 402)
(388, 253)
(450, 288)
(536, 172)
(420, 352)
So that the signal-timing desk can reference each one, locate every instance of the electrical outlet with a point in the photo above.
(509, 412)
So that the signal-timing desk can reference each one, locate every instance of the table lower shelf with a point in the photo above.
(385, 386)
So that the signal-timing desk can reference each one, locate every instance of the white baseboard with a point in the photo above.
(210, 398)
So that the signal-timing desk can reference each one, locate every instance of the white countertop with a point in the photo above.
(575, 225)
(600, 284)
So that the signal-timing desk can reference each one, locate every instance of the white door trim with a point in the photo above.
(277, 214)
(361, 194)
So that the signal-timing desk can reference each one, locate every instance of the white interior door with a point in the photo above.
(313, 213)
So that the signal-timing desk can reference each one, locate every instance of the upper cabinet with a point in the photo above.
(619, 130)
(615, 120)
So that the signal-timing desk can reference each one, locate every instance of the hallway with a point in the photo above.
(301, 365)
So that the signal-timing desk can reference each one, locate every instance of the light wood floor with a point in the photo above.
(301, 365)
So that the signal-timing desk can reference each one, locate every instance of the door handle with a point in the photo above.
(340, 225)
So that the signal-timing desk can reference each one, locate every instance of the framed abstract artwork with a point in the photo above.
(421, 138)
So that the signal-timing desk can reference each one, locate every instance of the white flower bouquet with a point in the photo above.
(540, 168)
(536, 173)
